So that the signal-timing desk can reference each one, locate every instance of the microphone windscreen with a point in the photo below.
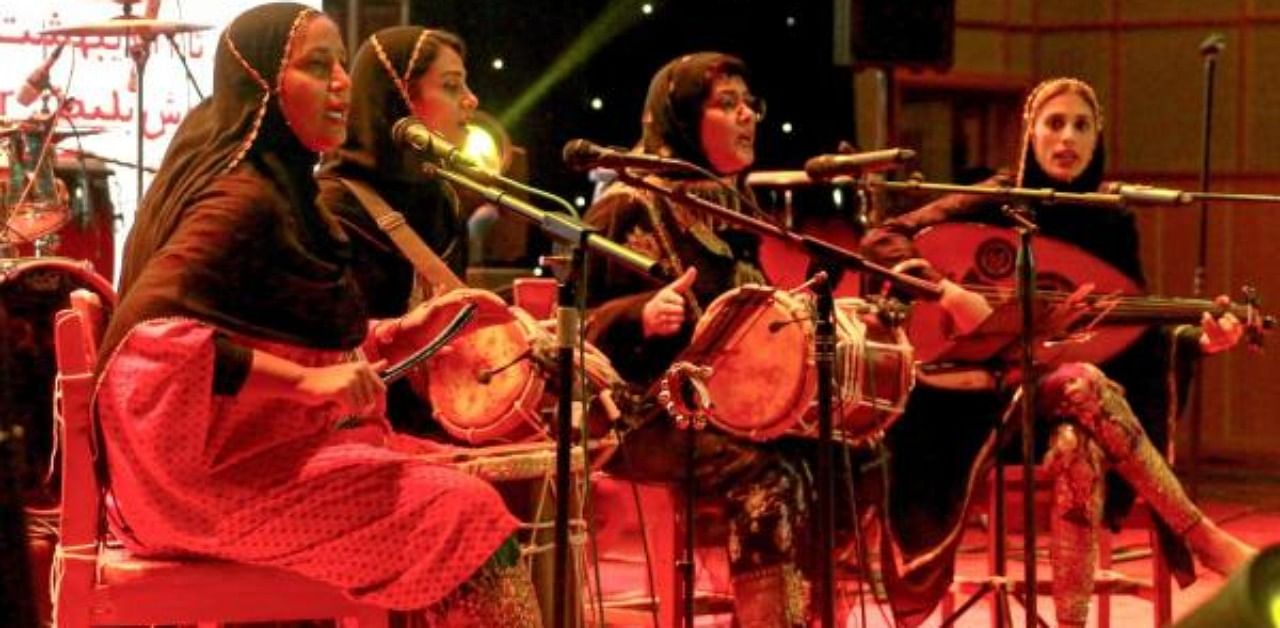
(579, 154)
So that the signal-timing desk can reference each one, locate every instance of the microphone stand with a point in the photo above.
(1125, 196)
(1026, 271)
(1046, 196)
(810, 245)
(578, 237)
(186, 67)
(1209, 49)
(824, 359)
(824, 354)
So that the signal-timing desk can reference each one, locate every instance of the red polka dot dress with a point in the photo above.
(266, 481)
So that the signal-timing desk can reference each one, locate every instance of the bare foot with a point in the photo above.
(1218, 549)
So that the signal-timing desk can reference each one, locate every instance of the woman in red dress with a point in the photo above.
(238, 396)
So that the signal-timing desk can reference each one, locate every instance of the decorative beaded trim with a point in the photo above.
(267, 90)
(401, 79)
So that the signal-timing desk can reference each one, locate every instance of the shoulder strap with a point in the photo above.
(429, 265)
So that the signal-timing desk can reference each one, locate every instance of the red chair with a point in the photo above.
(96, 582)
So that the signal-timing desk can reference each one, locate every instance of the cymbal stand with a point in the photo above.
(139, 52)
(186, 67)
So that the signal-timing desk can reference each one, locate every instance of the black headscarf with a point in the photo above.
(382, 74)
(261, 267)
(1107, 232)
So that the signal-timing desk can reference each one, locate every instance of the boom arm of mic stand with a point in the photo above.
(1233, 198)
(812, 246)
(559, 226)
(1012, 194)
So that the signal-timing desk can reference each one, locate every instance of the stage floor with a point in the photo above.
(1244, 500)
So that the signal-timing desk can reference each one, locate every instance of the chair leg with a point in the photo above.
(1161, 581)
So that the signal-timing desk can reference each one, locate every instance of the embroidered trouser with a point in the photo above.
(765, 494)
(1095, 424)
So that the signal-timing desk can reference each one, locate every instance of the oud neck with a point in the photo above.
(1134, 310)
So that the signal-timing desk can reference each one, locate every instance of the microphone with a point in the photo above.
(778, 178)
(1147, 195)
(413, 133)
(581, 155)
(1213, 44)
(38, 80)
(828, 166)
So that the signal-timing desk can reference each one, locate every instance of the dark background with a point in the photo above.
(792, 69)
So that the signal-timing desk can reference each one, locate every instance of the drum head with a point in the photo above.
(29, 221)
(763, 377)
(485, 382)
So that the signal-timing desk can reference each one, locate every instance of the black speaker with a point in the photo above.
(917, 33)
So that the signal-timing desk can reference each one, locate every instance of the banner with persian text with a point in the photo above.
(96, 73)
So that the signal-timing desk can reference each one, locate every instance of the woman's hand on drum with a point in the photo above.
(399, 337)
(354, 388)
(1220, 334)
(664, 314)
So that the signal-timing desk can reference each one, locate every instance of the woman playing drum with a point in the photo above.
(700, 108)
(239, 398)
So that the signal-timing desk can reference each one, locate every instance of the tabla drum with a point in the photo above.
(874, 374)
(759, 345)
(493, 383)
(758, 342)
(32, 291)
